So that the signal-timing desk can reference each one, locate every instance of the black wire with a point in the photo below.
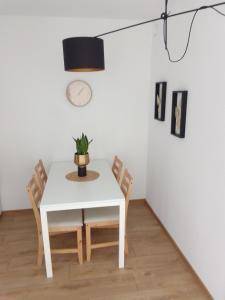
(189, 35)
(218, 11)
(165, 17)
(188, 41)
(162, 17)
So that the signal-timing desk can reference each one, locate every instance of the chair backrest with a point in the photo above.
(117, 168)
(126, 187)
(41, 175)
(34, 194)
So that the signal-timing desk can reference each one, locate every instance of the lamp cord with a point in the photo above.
(218, 11)
(164, 16)
(189, 34)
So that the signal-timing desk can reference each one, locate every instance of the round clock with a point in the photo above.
(79, 92)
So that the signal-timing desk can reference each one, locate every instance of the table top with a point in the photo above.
(61, 193)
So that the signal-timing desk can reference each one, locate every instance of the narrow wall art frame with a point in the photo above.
(178, 115)
(160, 100)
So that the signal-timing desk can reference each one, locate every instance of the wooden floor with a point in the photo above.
(154, 268)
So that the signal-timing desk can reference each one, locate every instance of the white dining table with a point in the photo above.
(62, 194)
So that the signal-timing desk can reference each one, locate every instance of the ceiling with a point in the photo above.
(120, 9)
(115, 9)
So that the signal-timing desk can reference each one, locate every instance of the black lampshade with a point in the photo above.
(83, 54)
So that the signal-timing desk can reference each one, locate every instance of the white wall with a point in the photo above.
(37, 121)
(186, 177)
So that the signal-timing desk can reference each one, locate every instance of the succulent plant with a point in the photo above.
(82, 144)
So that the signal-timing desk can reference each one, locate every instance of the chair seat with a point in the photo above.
(101, 214)
(66, 218)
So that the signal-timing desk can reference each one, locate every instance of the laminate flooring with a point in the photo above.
(154, 269)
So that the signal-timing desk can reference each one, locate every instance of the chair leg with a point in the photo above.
(80, 245)
(40, 251)
(88, 241)
(126, 246)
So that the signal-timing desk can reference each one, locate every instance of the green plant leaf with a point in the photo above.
(82, 144)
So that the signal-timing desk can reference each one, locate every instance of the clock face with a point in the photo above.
(79, 93)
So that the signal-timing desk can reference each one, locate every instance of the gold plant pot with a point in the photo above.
(81, 160)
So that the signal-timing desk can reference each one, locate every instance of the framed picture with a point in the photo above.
(160, 100)
(178, 117)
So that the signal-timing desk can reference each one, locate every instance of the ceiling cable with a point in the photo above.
(164, 17)
(165, 34)
(165, 37)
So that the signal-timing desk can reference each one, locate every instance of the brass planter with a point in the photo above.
(81, 161)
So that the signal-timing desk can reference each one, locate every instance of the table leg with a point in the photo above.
(121, 235)
(45, 235)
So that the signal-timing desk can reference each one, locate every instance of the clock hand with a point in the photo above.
(80, 91)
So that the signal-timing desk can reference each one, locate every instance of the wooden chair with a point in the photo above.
(59, 222)
(41, 175)
(117, 168)
(106, 217)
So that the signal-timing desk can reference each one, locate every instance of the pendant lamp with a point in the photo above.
(83, 54)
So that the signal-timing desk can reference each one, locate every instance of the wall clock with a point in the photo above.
(79, 92)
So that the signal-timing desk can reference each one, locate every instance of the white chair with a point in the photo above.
(59, 222)
(106, 217)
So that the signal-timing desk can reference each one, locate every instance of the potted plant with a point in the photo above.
(81, 157)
